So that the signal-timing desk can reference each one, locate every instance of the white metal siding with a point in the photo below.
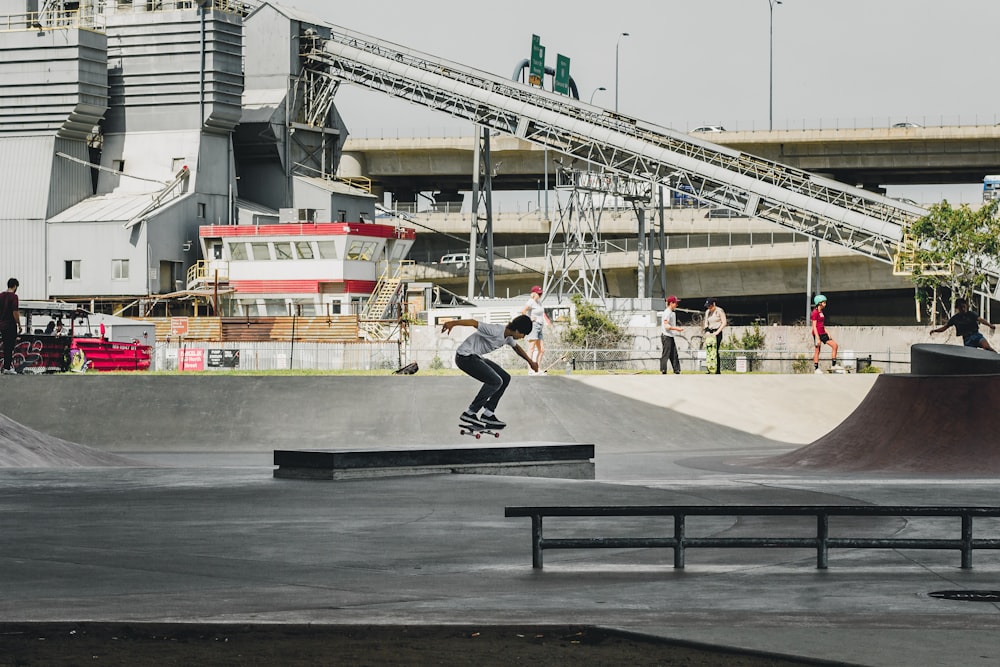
(22, 256)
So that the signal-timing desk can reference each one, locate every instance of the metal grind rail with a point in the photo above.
(821, 541)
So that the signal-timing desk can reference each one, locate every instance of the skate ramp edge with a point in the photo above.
(931, 424)
(23, 447)
(562, 461)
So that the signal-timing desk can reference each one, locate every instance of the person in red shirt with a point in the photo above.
(10, 324)
(820, 335)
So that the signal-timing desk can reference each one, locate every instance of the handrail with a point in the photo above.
(822, 541)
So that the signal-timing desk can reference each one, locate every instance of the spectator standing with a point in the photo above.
(668, 329)
(820, 335)
(10, 324)
(536, 312)
(715, 322)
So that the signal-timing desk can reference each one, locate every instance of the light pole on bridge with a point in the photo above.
(617, 44)
(596, 90)
(770, 67)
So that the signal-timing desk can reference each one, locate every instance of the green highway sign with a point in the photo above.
(537, 73)
(561, 85)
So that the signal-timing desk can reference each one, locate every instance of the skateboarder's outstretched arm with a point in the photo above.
(451, 324)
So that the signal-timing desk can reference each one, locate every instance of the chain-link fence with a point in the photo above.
(363, 356)
(274, 356)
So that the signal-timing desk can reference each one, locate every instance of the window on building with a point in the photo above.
(342, 216)
(361, 250)
(275, 307)
(260, 252)
(304, 249)
(327, 249)
(119, 269)
(177, 163)
(217, 251)
(118, 165)
(249, 308)
(307, 215)
(72, 269)
(202, 210)
(283, 250)
(238, 251)
(305, 308)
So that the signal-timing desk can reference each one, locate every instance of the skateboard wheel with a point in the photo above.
(496, 435)
(478, 436)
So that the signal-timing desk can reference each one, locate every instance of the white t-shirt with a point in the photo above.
(536, 311)
(669, 320)
(487, 337)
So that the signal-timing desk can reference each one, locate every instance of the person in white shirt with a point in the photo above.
(535, 310)
(469, 357)
(667, 331)
(715, 322)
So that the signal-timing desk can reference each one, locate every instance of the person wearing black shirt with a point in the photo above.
(966, 323)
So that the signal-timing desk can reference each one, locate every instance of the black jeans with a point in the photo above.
(669, 354)
(718, 349)
(494, 379)
(9, 334)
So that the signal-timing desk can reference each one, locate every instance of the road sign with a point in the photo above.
(537, 72)
(561, 85)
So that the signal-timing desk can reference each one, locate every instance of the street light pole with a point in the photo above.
(770, 68)
(595, 92)
(618, 44)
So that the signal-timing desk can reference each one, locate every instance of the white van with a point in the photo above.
(457, 258)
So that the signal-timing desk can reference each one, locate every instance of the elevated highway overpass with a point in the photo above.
(757, 266)
(871, 158)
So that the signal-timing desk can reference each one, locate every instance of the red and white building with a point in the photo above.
(300, 268)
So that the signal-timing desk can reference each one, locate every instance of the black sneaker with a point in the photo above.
(492, 422)
(470, 418)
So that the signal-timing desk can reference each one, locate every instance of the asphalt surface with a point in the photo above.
(199, 530)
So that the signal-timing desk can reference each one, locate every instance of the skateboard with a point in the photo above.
(710, 345)
(561, 357)
(408, 369)
(477, 431)
(839, 370)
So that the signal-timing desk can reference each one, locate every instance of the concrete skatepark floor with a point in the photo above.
(209, 537)
(111, 645)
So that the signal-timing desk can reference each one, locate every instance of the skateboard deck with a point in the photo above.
(477, 431)
(561, 357)
(710, 344)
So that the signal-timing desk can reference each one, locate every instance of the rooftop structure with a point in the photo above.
(126, 128)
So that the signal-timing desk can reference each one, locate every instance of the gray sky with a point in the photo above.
(837, 63)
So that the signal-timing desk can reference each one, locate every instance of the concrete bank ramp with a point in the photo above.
(23, 447)
(912, 424)
(618, 414)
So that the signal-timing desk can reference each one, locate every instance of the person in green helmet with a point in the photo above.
(820, 335)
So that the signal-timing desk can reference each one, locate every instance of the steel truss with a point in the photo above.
(818, 207)
(573, 251)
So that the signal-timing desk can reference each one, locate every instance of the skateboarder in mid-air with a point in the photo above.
(469, 357)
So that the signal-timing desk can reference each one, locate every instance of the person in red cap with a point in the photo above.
(535, 310)
(667, 330)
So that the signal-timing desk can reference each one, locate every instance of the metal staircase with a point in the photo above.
(377, 319)
(864, 222)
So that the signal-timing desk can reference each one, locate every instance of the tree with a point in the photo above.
(593, 328)
(954, 248)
